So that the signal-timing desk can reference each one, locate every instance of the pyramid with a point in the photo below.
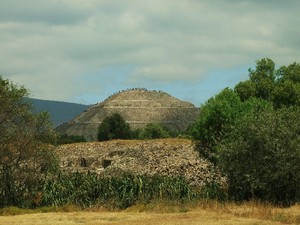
(138, 107)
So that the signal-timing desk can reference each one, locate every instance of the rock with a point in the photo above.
(168, 157)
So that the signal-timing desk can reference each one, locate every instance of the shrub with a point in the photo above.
(154, 131)
(114, 127)
(68, 139)
(261, 156)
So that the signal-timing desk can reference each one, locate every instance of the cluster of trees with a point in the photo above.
(281, 86)
(252, 132)
(115, 127)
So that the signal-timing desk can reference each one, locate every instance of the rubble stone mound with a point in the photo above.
(167, 157)
(138, 107)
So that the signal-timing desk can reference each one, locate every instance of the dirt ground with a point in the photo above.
(203, 213)
(128, 218)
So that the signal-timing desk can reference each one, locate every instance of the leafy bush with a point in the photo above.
(68, 139)
(154, 131)
(261, 156)
(114, 127)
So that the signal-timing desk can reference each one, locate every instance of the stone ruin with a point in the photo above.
(138, 107)
(167, 157)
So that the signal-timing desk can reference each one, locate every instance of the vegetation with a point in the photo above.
(261, 156)
(114, 127)
(153, 131)
(60, 111)
(281, 86)
(122, 191)
(118, 192)
(252, 133)
(25, 154)
(217, 117)
(68, 139)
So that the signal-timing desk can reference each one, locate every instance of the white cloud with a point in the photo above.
(50, 45)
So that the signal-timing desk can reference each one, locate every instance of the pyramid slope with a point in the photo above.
(138, 107)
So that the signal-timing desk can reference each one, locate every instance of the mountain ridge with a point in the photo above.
(60, 111)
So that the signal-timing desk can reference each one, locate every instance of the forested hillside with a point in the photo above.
(60, 112)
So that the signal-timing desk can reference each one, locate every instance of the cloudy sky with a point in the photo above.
(84, 51)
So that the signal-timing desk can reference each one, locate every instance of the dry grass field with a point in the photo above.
(210, 214)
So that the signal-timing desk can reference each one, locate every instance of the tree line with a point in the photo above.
(115, 127)
(251, 132)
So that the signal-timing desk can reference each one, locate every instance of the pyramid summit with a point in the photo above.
(139, 107)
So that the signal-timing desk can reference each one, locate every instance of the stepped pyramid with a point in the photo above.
(138, 107)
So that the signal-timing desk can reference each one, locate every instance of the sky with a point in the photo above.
(83, 51)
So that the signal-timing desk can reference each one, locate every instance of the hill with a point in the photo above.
(60, 112)
(138, 107)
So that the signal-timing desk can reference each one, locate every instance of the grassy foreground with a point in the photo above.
(209, 213)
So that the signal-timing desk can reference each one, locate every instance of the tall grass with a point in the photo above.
(121, 192)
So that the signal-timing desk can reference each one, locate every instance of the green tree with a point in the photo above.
(286, 93)
(245, 90)
(261, 156)
(261, 81)
(263, 78)
(216, 118)
(153, 131)
(291, 72)
(114, 127)
(25, 152)
(253, 136)
(287, 89)
(281, 86)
